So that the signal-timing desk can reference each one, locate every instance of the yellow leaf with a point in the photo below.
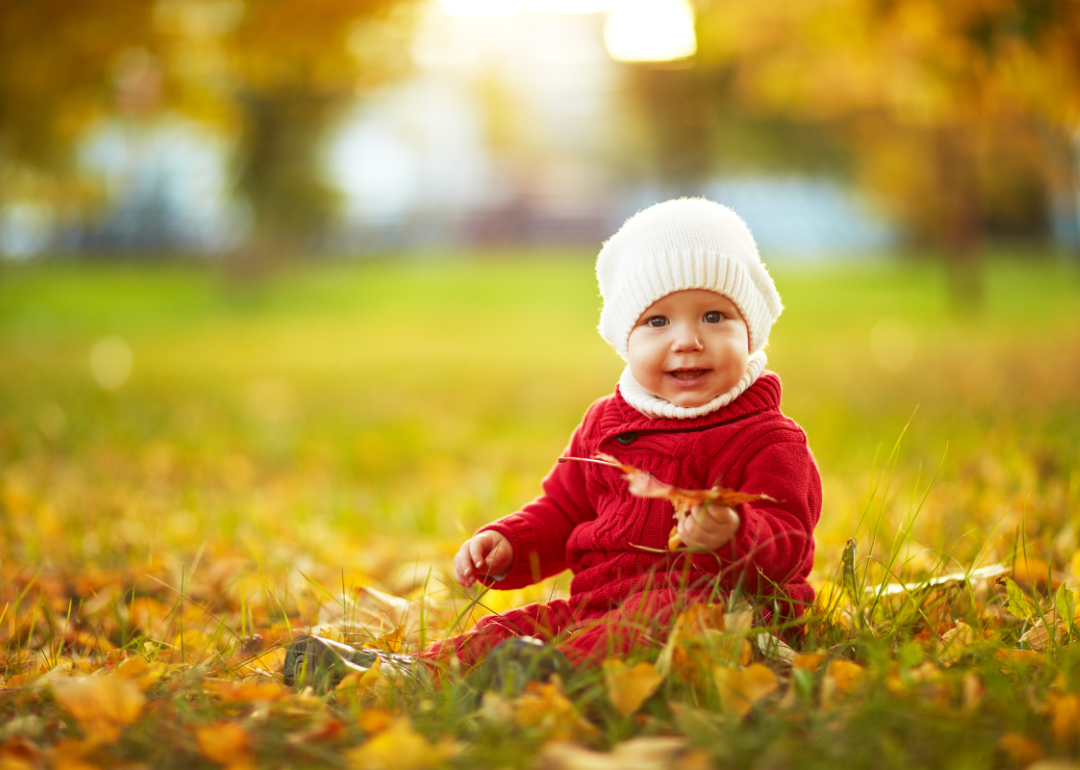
(269, 661)
(628, 687)
(700, 639)
(140, 672)
(399, 747)
(100, 704)
(544, 707)
(226, 743)
(244, 692)
(808, 661)
(1064, 717)
(373, 721)
(741, 688)
(841, 677)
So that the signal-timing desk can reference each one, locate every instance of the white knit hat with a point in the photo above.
(689, 243)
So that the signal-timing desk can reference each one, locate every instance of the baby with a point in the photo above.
(688, 305)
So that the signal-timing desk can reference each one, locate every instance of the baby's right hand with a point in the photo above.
(488, 554)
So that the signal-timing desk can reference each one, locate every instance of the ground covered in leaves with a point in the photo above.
(192, 472)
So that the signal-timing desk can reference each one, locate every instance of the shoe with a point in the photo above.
(323, 663)
(513, 663)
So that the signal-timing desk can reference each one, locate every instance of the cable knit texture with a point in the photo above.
(587, 521)
(653, 406)
(689, 243)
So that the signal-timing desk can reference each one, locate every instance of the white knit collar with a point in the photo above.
(652, 405)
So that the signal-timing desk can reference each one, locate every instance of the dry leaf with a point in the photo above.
(741, 688)
(226, 743)
(100, 704)
(954, 642)
(244, 692)
(627, 686)
(140, 672)
(375, 720)
(773, 648)
(808, 661)
(701, 638)
(642, 484)
(399, 747)
(543, 707)
(1064, 717)
(841, 677)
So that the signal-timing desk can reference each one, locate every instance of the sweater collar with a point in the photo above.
(653, 406)
(763, 394)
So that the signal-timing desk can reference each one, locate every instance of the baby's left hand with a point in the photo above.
(709, 527)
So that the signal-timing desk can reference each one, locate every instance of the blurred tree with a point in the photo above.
(272, 72)
(959, 114)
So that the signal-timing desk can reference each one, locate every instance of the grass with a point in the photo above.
(277, 446)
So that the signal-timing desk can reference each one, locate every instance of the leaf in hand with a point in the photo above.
(642, 484)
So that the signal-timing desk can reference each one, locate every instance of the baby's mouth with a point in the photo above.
(686, 374)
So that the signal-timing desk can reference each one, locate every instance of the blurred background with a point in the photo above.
(252, 131)
(278, 277)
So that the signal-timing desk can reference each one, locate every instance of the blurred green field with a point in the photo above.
(295, 419)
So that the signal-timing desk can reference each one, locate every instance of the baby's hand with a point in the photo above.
(483, 555)
(709, 527)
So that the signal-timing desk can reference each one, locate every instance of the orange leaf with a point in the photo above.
(627, 686)
(1064, 717)
(544, 707)
(226, 743)
(244, 692)
(1022, 749)
(100, 704)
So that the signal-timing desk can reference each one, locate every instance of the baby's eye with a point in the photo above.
(657, 321)
(714, 317)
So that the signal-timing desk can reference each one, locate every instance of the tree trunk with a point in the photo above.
(959, 222)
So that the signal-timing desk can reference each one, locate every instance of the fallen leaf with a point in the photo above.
(399, 747)
(1064, 717)
(741, 688)
(702, 637)
(226, 743)
(543, 707)
(841, 677)
(954, 642)
(627, 686)
(808, 661)
(376, 720)
(100, 704)
(140, 672)
(244, 692)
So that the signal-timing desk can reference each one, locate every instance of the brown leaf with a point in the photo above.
(642, 484)
(627, 686)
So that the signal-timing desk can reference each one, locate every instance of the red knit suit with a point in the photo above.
(627, 587)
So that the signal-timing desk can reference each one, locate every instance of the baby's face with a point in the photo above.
(689, 347)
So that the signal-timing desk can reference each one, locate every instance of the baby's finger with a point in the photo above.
(478, 548)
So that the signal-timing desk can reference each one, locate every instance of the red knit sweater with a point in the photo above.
(587, 521)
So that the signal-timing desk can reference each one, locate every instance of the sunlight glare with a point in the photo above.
(651, 30)
(511, 7)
